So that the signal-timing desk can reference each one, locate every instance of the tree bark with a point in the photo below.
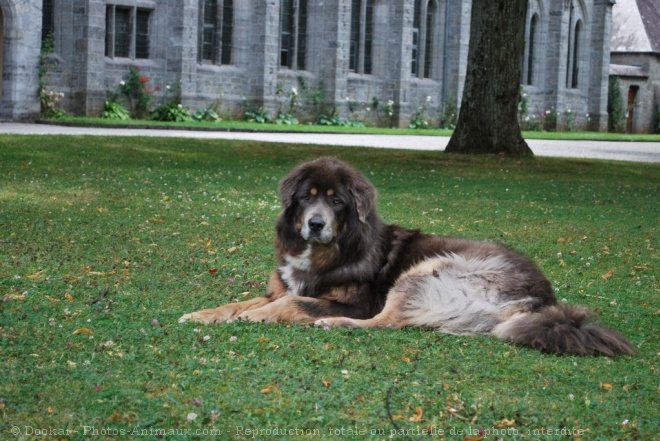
(488, 119)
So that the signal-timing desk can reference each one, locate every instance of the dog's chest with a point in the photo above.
(295, 271)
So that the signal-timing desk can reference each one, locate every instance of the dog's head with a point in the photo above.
(324, 197)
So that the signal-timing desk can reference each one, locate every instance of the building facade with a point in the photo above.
(384, 60)
(635, 56)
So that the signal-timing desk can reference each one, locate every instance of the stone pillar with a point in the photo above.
(400, 44)
(88, 57)
(22, 45)
(265, 43)
(600, 65)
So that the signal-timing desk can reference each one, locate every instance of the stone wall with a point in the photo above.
(82, 71)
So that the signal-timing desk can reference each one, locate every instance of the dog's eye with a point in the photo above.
(336, 201)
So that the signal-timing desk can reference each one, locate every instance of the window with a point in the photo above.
(47, 23)
(424, 23)
(575, 44)
(127, 32)
(215, 31)
(575, 62)
(362, 30)
(532, 40)
(293, 33)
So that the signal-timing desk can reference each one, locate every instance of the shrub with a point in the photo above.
(171, 112)
(615, 107)
(115, 110)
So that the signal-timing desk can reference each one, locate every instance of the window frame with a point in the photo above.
(293, 34)
(132, 37)
(215, 33)
(361, 37)
(423, 38)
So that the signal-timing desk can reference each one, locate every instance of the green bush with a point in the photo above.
(615, 108)
(115, 110)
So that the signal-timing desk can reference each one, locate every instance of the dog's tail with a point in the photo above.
(563, 330)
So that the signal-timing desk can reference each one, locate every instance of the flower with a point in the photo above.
(122, 83)
(192, 416)
(294, 91)
(143, 79)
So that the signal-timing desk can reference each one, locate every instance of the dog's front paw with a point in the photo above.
(208, 316)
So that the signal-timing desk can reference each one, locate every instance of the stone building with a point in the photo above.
(366, 58)
(635, 61)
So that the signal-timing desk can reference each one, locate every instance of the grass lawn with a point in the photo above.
(105, 242)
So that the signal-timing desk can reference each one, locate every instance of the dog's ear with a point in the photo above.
(364, 194)
(288, 187)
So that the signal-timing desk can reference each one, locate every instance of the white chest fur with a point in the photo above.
(293, 265)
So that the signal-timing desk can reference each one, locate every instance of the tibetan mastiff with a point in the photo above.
(341, 265)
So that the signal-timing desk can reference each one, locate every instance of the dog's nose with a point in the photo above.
(316, 224)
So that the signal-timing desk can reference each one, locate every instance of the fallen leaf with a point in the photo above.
(263, 339)
(445, 386)
(68, 297)
(607, 275)
(85, 331)
(116, 416)
(71, 363)
(50, 409)
(52, 299)
(213, 271)
(360, 398)
(405, 359)
(326, 383)
(35, 275)
(418, 415)
(640, 267)
(505, 423)
(269, 389)
(101, 209)
(606, 386)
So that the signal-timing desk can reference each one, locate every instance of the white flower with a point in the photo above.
(294, 91)
(192, 416)
(167, 87)
(206, 338)
(122, 83)
(180, 106)
(429, 99)
(233, 338)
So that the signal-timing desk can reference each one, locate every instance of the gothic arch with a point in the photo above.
(577, 34)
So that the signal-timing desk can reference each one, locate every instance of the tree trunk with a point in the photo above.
(488, 119)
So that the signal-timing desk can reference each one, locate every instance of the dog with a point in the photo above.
(341, 265)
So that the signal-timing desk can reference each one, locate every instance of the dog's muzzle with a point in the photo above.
(317, 227)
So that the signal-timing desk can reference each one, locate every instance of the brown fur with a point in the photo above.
(340, 265)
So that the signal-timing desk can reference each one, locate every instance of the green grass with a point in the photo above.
(312, 128)
(105, 242)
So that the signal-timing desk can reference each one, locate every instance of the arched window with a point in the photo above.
(216, 25)
(293, 33)
(532, 39)
(424, 24)
(362, 30)
(575, 62)
(430, 31)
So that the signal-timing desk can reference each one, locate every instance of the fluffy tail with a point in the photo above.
(563, 330)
